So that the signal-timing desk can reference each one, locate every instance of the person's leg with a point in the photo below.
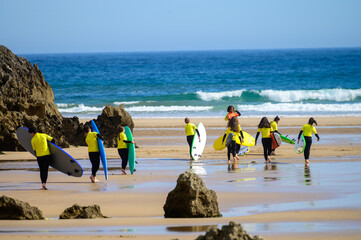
(229, 150)
(123, 153)
(267, 148)
(306, 153)
(190, 141)
(44, 163)
(95, 161)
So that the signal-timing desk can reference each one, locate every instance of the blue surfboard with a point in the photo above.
(101, 150)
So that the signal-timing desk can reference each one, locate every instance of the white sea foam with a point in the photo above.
(126, 103)
(302, 108)
(168, 108)
(77, 108)
(338, 95)
(211, 96)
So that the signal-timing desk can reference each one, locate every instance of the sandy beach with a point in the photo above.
(279, 201)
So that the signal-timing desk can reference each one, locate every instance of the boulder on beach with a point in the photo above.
(77, 211)
(232, 231)
(109, 121)
(14, 209)
(191, 199)
(27, 99)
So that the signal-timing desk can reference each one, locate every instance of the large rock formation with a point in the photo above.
(109, 121)
(77, 211)
(191, 199)
(232, 231)
(14, 209)
(27, 99)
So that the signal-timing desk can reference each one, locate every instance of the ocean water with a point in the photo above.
(294, 82)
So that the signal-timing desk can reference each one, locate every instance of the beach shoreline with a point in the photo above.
(163, 154)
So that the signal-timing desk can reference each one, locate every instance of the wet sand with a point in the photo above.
(278, 201)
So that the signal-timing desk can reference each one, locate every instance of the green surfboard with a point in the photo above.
(286, 139)
(131, 149)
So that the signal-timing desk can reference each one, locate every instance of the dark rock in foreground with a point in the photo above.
(191, 199)
(77, 211)
(232, 231)
(14, 209)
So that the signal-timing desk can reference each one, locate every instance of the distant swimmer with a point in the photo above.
(264, 127)
(123, 148)
(93, 149)
(39, 142)
(231, 113)
(274, 128)
(307, 131)
(190, 128)
(234, 128)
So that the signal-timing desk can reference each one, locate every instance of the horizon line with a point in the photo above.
(208, 50)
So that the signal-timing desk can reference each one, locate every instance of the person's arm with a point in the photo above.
(128, 141)
(239, 114)
(99, 136)
(277, 132)
(256, 138)
(53, 140)
(241, 137)
(199, 135)
(318, 137)
(299, 135)
(224, 137)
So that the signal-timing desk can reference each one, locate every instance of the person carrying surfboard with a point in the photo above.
(264, 127)
(189, 129)
(39, 142)
(307, 131)
(93, 149)
(123, 148)
(274, 128)
(235, 129)
(231, 113)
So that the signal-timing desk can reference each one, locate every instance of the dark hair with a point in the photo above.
(264, 123)
(32, 129)
(233, 124)
(312, 121)
(120, 128)
(186, 120)
(229, 108)
(277, 118)
(86, 128)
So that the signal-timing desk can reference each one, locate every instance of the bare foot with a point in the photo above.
(269, 159)
(93, 179)
(306, 161)
(44, 187)
(124, 173)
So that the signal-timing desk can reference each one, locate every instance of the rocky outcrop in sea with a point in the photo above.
(191, 199)
(27, 99)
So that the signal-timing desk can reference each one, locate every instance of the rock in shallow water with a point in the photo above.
(77, 211)
(191, 199)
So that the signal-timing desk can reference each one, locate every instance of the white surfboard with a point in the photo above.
(198, 145)
(300, 145)
(229, 139)
(60, 161)
(243, 150)
(277, 138)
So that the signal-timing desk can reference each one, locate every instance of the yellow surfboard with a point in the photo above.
(248, 141)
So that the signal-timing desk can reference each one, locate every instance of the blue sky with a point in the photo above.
(43, 26)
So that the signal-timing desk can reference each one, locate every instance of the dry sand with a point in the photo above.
(137, 200)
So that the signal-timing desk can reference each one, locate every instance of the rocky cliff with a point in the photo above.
(27, 99)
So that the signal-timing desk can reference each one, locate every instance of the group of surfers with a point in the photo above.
(39, 142)
(265, 128)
